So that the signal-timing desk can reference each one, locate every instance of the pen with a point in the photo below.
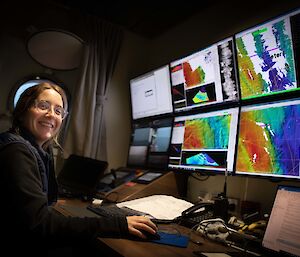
(244, 250)
(198, 253)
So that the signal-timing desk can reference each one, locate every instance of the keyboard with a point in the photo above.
(113, 211)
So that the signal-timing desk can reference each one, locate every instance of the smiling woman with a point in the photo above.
(44, 123)
(28, 178)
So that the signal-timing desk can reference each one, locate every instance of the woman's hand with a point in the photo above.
(138, 224)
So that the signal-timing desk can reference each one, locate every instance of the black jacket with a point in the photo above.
(27, 220)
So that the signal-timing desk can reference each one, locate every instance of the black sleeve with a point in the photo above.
(20, 182)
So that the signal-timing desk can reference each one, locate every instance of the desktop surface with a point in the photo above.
(196, 244)
(167, 184)
(150, 248)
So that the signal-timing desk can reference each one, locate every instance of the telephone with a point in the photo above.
(197, 213)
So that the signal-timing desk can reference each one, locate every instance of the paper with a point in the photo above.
(216, 254)
(159, 206)
(97, 201)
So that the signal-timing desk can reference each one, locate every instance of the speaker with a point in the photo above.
(221, 205)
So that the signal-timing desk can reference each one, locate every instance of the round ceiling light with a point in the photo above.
(56, 49)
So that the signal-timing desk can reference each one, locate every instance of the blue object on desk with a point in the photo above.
(172, 239)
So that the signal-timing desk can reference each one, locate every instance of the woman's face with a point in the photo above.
(42, 123)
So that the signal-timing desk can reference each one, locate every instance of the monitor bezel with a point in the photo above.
(163, 114)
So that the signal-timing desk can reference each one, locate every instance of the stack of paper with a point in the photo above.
(159, 206)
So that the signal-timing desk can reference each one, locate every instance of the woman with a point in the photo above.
(28, 183)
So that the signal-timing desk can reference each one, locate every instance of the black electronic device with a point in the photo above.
(148, 177)
(150, 236)
(114, 211)
(197, 213)
(221, 205)
(149, 144)
(80, 175)
(115, 178)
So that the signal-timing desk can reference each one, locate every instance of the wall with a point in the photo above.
(117, 111)
(16, 63)
(212, 24)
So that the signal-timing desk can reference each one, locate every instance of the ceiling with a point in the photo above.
(148, 21)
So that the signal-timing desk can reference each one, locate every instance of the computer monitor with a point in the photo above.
(283, 229)
(151, 94)
(269, 140)
(267, 57)
(205, 77)
(150, 142)
(204, 142)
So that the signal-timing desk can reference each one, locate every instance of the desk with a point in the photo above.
(131, 248)
(167, 184)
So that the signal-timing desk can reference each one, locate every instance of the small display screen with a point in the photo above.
(148, 177)
(151, 94)
(150, 142)
(205, 77)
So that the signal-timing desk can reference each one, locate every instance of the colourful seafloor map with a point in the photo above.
(269, 141)
(266, 60)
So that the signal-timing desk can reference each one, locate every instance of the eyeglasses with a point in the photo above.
(45, 106)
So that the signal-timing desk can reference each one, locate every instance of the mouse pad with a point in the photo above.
(172, 239)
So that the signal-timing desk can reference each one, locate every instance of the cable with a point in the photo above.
(197, 177)
(107, 200)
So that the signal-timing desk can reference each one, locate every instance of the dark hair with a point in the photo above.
(27, 99)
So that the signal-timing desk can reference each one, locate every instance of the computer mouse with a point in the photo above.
(150, 236)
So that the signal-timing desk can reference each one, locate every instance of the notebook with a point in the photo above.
(282, 234)
(80, 176)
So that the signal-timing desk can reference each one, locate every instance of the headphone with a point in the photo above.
(214, 229)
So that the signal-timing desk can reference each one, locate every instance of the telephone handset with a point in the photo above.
(195, 214)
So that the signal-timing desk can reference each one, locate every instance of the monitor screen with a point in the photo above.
(150, 142)
(204, 142)
(205, 77)
(269, 139)
(282, 232)
(151, 94)
(80, 175)
(266, 57)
